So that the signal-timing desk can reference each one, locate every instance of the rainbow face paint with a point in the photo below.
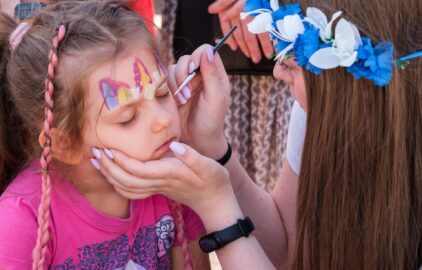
(116, 93)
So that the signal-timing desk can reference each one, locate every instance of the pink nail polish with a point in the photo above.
(96, 153)
(95, 163)
(108, 153)
(210, 55)
(181, 98)
(186, 93)
(177, 148)
(191, 67)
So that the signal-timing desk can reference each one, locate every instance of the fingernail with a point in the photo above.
(177, 148)
(186, 93)
(181, 98)
(95, 163)
(255, 60)
(96, 153)
(269, 55)
(192, 67)
(210, 55)
(108, 153)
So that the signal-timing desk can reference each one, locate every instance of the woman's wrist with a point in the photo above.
(223, 213)
(214, 149)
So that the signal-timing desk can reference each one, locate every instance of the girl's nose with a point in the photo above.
(161, 118)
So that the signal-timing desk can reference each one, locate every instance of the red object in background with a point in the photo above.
(145, 8)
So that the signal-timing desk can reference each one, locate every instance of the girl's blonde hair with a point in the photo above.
(46, 75)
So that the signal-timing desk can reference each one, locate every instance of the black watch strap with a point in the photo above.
(226, 156)
(218, 239)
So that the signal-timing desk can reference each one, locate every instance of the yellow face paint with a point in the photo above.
(117, 92)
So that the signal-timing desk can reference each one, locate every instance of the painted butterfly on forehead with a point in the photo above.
(117, 92)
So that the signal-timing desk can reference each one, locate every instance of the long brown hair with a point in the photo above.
(46, 75)
(360, 194)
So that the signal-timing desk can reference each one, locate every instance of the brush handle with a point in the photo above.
(197, 70)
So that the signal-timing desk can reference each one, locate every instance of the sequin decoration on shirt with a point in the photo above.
(149, 250)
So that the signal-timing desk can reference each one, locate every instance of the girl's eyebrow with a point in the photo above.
(120, 109)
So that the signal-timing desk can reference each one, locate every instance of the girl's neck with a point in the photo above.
(98, 191)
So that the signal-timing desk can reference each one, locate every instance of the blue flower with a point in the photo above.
(281, 45)
(375, 64)
(306, 45)
(251, 5)
(288, 10)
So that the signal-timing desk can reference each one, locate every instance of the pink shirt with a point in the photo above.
(82, 237)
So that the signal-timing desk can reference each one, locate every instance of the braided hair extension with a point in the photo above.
(46, 157)
(181, 237)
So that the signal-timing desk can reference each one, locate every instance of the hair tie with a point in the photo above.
(17, 35)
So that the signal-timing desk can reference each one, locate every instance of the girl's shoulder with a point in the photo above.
(18, 219)
(26, 187)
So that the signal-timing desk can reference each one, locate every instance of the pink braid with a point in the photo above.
(40, 249)
(181, 237)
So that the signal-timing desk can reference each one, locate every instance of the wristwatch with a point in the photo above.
(218, 239)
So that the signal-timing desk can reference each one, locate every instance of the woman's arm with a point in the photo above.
(273, 214)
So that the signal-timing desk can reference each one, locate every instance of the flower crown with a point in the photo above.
(316, 47)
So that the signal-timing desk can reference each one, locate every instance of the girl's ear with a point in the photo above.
(61, 147)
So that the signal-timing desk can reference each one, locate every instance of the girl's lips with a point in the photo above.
(166, 145)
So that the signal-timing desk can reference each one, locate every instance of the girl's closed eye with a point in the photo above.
(128, 119)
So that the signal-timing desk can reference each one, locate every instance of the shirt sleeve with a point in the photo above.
(18, 234)
(193, 225)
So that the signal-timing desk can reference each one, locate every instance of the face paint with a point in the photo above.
(161, 68)
(116, 93)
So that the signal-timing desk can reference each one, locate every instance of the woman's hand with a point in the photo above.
(204, 103)
(190, 178)
(228, 12)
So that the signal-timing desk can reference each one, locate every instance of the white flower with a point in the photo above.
(344, 50)
(274, 5)
(288, 30)
(318, 19)
(260, 23)
(290, 27)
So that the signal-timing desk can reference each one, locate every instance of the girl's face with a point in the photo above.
(130, 108)
(292, 75)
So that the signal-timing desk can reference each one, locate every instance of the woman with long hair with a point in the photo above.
(356, 202)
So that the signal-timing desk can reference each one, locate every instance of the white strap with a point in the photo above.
(296, 137)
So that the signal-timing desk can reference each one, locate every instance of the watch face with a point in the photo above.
(208, 244)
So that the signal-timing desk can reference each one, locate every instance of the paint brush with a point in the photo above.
(214, 50)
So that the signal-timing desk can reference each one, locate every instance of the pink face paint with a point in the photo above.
(116, 93)
(142, 77)
(161, 68)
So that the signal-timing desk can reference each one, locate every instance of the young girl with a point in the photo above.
(85, 75)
